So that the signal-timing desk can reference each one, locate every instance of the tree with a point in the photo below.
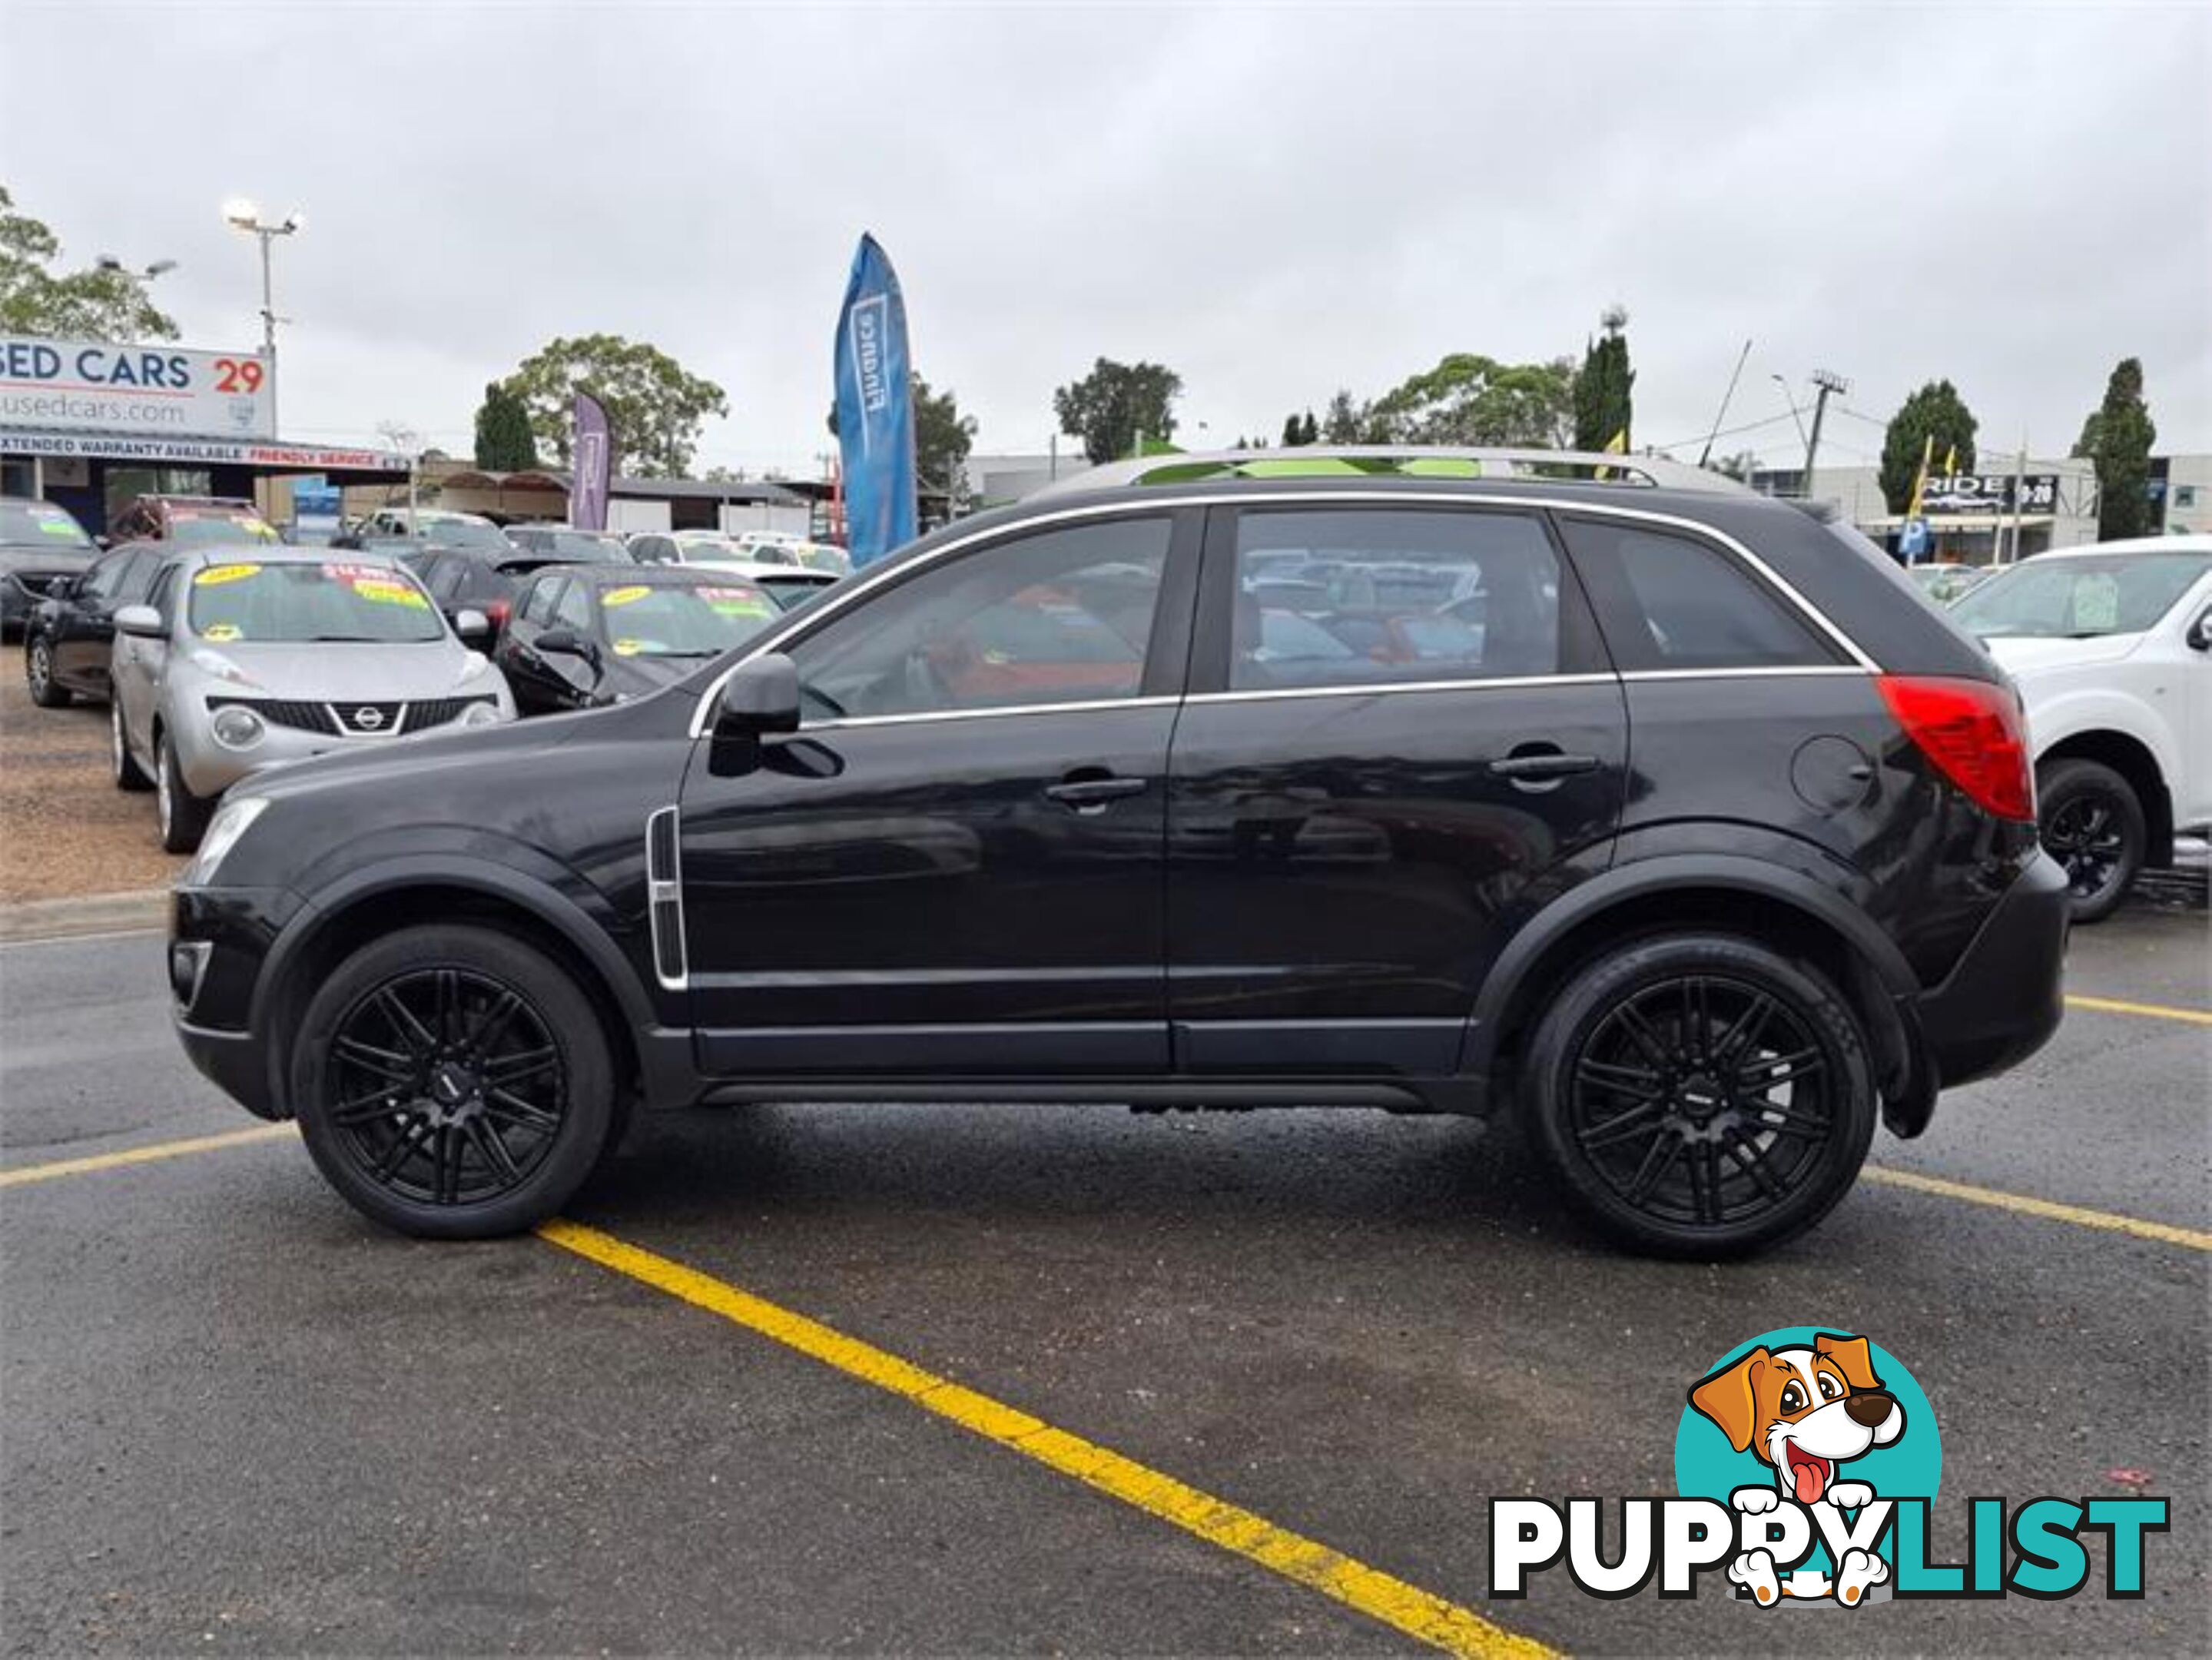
(1300, 429)
(2117, 437)
(504, 440)
(1345, 420)
(654, 406)
(1117, 404)
(1470, 399)
(1602, 402)
(82, 305)
(943, 438)
(1935, 411)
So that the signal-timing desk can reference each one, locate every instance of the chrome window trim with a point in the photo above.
(1384, 687)
(1776, 671)
(823, 611)
(1079, 706)
(659, 890)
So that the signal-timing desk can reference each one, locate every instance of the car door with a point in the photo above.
(566, 680)
(84, 629)
(137, 661)
(1376, 779)
(955, 863)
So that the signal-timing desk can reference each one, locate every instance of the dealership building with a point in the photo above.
(90, 425)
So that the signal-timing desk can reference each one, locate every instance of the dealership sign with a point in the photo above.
(202, 452)
(154, 390)
(1990, 492)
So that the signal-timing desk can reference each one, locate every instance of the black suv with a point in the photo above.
(1664, 816)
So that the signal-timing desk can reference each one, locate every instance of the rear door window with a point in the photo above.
(1668, 601)
(1382, 596)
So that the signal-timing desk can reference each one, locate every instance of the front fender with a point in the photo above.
(2055, 717)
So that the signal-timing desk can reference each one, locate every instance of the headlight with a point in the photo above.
(214, 662)
(481, 714)
(236, 727)
(232, 820)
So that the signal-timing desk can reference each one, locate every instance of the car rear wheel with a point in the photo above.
(1701, 1096)
(183, 816)
(2093, 823)
(452, 1082)
(39, 674)
(124, 766)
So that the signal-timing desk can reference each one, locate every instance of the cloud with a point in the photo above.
(1275, 202)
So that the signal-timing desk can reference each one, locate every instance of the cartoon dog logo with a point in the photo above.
(1805, 1412)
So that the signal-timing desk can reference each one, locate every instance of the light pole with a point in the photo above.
(244, 216)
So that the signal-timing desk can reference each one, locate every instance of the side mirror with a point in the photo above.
(472, 626)
(140, 622)
(103, 543)
(567, 642)
(2199, 637)
(761, 696)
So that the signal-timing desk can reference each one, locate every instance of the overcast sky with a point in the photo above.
(1274, 200)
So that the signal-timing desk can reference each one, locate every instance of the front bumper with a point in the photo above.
(2006, 994)
(219, 939)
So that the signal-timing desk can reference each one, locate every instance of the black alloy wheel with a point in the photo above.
(452, 1081)
(2093, 825)
(1703, 1096)
(445, 1086)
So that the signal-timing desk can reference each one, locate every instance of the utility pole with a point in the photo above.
(244, 216)
(1826, 381)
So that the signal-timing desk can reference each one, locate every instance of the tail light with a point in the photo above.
(494, 612)
(1973, 730)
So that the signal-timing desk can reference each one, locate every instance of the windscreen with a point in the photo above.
(585, 547)
(675, 619)
(2080, 599)
(464, 533)
(332, 603)
(195, 529)
(39, 525)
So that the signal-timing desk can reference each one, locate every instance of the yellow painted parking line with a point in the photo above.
(2149, 1011)
(1419, 1613)
(147, 1155)
(2051, 1210)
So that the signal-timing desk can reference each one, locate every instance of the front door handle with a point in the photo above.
(1535, 766)
(1091, 793)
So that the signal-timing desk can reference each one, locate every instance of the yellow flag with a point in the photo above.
(1618, 444)
(1920, 478)
(1950, 461)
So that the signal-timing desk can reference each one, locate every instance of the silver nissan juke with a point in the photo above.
(246, 657)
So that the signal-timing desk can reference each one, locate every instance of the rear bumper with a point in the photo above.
(2007, 993)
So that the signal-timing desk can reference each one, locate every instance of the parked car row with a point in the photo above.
(219, 658)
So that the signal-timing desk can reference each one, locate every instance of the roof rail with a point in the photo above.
(1399, 461)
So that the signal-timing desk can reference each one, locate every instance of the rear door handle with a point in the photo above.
(1543, 767)
(1088, 795)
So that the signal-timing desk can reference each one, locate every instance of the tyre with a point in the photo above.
(39, 674)
(128, 774)
(1700, 1095)
(454, 1082)
(183, 816)
(2093, 823)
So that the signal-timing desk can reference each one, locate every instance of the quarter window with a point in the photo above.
(1670, 602)
(539, 607)
(1064, 615)
(1382, 596)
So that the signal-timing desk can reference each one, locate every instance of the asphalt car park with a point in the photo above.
(1204, 1352)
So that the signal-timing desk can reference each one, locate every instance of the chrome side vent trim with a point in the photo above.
(664, 896)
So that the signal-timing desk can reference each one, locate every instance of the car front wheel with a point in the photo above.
(2093, 824)
(1701, 1096)
(454, 1082)
(39, 674)
(183, 816)
(122, 764)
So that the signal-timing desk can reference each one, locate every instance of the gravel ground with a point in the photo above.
(65, 828)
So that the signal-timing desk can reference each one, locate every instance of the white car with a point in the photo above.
(2110, 647)
(788, 585)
